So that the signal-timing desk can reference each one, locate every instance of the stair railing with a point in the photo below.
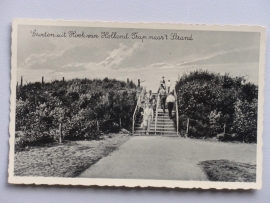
(136, 108)
(176, 112)
(157, 105)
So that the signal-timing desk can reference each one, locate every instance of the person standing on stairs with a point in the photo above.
(170, 102)
(168, 86)
(141, 111)
(163, 82)
(162, 94)
(160, 87)
(148, 117)
(149, 96)
(154, 103)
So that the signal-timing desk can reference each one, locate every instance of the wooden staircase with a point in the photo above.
(164, 125)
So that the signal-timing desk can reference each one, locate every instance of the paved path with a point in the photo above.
(167, 158)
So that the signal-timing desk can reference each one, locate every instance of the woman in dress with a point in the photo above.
(148, 117)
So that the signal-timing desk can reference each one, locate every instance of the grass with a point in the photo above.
(229, 171)
(66, 160)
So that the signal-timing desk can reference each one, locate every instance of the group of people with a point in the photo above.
(148, 104)
(164, 98)
(166, 86)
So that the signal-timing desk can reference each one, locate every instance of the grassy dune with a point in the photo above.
(66, 160)
(229, 171)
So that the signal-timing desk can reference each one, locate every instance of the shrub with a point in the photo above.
(77, 104)
(213, 102)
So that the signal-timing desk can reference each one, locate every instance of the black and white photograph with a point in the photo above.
(136, 104)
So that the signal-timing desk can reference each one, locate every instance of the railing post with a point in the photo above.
(176, 111)
(187, 127)
(158, 100)
(133, 127)
(21, 81)
(98, 131)
(97, 127)
(60, 133)
(120, 123)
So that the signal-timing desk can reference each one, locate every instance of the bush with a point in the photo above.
(77, 104)
(213, 102)
(33, 138)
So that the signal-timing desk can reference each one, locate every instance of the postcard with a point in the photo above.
(136, 104)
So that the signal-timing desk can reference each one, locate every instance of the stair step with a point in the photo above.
(163, 129)
(165, 119)
(166, 111)
(162, 119)
(157, 134)
(163, 126)
(163, 123)
(164, 115)
(158, 130)
(166, 132)
(161, 113)
(151, 128)
(159, 122)
(140, 134)
(143, 131)
(158, 126)
(161, 109)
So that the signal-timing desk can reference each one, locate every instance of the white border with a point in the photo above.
(136, 182)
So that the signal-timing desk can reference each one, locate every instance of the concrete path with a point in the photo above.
(167, 158)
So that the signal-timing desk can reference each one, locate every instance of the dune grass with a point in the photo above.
(66, 160)
(229, 171)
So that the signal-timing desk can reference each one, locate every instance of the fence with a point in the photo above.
(137, 108)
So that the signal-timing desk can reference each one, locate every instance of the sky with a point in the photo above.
(236, 53)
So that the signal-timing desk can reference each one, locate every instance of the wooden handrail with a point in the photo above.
(133, 121)
(158, 100)
(176, 112)
(136, 108)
